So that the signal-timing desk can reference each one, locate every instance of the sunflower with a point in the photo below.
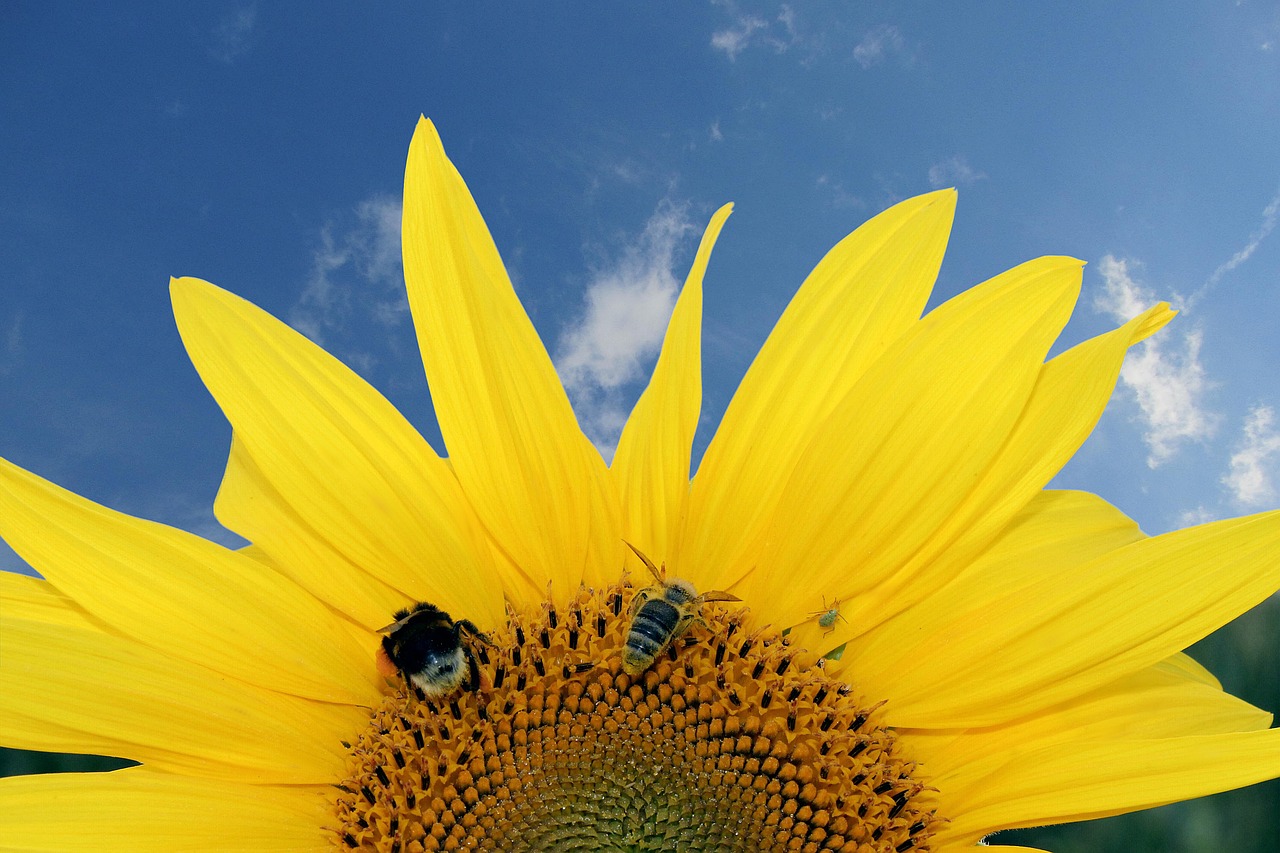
(927, 647)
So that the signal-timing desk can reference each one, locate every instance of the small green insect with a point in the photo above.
(827, 616)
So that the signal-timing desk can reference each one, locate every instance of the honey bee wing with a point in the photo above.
(388, 629)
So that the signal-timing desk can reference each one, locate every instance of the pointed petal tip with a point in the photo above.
(427, 135)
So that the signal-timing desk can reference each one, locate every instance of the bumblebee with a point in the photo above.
(660, 614)
(431, 650)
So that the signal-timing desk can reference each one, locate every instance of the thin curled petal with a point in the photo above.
(539, 487)
(651, 465)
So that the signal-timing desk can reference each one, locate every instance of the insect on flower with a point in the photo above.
(827, 616)
(661, 614)
(431, 650)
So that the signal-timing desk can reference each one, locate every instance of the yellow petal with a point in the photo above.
(862, 296)
(651, 465)
(36, 599)
(1161, 701)
(69, 689)
(1100, 779)
(540, 488)
(250, 505)
(182, 594)
(1051, 614)
(348, 464)
(1065, 403)
(902, 450)
(138, 810)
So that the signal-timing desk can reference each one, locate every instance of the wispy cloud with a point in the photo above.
(232, 36)
(1256, 461)
(1199, 515)
(1268, 224)
(627, 305)
(840, 197)
(361, 251)
(733, 40)
(1163, 373)
(779, 34)
(952, 172)
(880, 44)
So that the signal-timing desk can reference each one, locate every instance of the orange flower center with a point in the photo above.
(726, 743)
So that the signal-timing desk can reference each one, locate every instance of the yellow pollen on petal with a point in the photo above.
(727, 743)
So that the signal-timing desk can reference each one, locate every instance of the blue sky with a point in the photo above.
(263, 150)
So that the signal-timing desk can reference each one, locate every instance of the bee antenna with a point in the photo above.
(661, 576)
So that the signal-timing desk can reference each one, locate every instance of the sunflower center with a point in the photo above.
(724, 744)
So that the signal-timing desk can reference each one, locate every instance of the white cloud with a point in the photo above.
(840, 197)
(1163, 373)
(1199, 515)
(735, 39)
(952, 172)
(232, 36)
(716, 135)
(367, 251)
(780, 34)
(881, 43)
(1256, 461)
(1269, 215)
(627, 306)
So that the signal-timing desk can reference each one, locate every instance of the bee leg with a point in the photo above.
(474, 684)
(469, 627)
(417, 691)
(637, 602)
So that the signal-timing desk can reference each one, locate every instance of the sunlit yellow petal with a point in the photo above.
(539, 486)
(1056, 532)
(180, 593)
(1092, 780)
(1005, 640)
(1161, 701)
(81, 690)
(1065, 404)
(141, 811)
(651, 464)
(34, 599)
(865, 293)
(891, 464)
(248, 503)
(333, 447)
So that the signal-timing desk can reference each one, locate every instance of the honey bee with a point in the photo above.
(431, 650)
(827, 616)
(660, 614)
